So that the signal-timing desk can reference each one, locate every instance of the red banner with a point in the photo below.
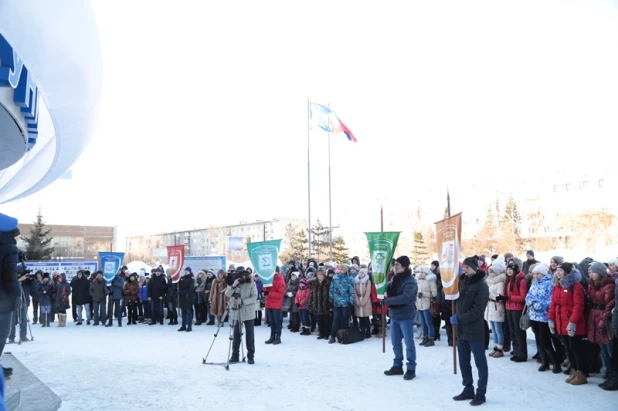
(176, 260)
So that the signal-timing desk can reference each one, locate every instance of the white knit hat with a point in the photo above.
(541, 269)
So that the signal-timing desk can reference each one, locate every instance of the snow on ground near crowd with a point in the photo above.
(157, 368)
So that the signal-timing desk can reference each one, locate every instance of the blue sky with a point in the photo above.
(204, 112)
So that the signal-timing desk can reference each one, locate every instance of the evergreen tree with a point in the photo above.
(297, 245)
(38, 244)
(511, 226)
(489, 232)
(340, 252)
(419, 253)
(320, 240)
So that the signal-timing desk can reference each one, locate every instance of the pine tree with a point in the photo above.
(340, 252)
(511, 226)
(298, 245)
(419, 253)
(38, 244)
(320, 241)
(487, 235)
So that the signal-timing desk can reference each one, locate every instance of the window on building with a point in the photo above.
(602, 182)
(555, 189)
(568, 186)
(546, 229)
(583, 185)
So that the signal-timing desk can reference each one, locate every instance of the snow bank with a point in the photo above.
(154, 367)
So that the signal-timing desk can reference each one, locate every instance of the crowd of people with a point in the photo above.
(570, 307)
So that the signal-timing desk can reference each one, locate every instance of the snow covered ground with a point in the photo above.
(157, 368)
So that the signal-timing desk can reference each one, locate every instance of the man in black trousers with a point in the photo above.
(469, 319)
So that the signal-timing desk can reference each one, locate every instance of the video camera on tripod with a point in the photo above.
(22, 269)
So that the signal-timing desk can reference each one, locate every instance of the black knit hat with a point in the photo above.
(436, 263)
(404, 261)
(472, 262)
(566, 267)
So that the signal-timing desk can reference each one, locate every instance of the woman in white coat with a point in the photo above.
(427, 292)
(494, 313)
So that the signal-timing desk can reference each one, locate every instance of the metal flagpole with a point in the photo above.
(330, 204)
(308, 178)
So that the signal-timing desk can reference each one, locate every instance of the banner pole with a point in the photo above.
(308, 181)
(453, 309)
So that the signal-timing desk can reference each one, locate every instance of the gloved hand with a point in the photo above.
(420, 295)
(383, 302)
(552, 326)
(571, 328)
(454, 320)
(289, 295)
(502, 298)
(17, 303)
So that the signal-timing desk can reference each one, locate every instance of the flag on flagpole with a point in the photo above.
(325, 119)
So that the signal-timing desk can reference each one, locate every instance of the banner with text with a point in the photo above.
(110, 264)
(448, 243)
(264, 255)
(381, 250)
(175, 260)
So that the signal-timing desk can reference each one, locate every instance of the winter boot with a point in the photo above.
(367, 333)
(465, 395)
(571, 376)
(478, 400)
(375, 331)
(493, 352)
(234, 359)
(580, 379)
(120, 322)
(331, 340)
(394, 371)
(425, 341)
(277, 340)
(611, 384)
(430, 342)
(556, 369)
(499, 353)
(271, 339)
(63, 320)
(409, 375)
(183, 328)
(43, 320)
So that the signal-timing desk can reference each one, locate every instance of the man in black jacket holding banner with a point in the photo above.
(469, 319)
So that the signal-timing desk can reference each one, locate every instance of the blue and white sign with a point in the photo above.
(213, 263)
(69, 268)
(14, 74)
(110, 264)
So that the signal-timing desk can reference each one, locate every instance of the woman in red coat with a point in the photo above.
(274, 302)
(601, 292)
(516, 291)
(566, 317)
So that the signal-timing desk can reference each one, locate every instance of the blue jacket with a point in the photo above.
(539, 297)
(401, 296)
(118, 286)
(143, 292)
(9, 286)
(341, 291)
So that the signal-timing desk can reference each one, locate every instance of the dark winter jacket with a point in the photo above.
(62, 292)
(319, 301)
(156, 287)
(80, 290)
(602, 299)
(615, 310)
(131, 291)
(98, 290)
(186, 291)
(10, 290)
(527, 264)
(401, 296)
(118, 286)
(171, 292)
(470, 307)
(290, 296)
(44, 291)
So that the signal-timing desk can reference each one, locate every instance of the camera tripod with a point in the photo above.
(23, 308)
(233, 315)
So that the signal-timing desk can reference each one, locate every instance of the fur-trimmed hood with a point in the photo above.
(497, 279)
(358, 280)
(575, 276)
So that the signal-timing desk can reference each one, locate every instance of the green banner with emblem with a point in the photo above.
(381, 249)
(264, 255)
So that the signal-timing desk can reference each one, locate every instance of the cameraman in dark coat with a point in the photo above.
(10, 291)
(243, 300)
(186, 294)
(469, 319)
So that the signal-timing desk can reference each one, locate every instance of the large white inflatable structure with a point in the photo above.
(50, 90)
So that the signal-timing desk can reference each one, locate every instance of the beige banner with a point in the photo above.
(448, 242)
